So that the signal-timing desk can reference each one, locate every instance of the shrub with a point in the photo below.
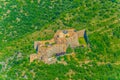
(69, 50)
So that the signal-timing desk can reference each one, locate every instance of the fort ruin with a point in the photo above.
(46, 50)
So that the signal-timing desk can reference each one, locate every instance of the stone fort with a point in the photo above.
(46, 50)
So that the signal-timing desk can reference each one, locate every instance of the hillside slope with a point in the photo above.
(23, 22)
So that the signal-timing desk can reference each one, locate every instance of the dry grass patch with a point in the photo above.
(70, 73)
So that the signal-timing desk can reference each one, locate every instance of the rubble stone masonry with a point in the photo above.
(62, 39)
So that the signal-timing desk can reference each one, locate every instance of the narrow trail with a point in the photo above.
(97, 30)
(102, 30)
(99, 63)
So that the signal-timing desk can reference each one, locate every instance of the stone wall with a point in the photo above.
(36, 44)
(57, 48)
(33, 57)
(42, 52)
(81, 33)
(73, 41)
(42, 43)
(62, 38)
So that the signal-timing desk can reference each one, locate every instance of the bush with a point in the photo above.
(69, 50)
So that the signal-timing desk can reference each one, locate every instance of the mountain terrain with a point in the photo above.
(24, 21)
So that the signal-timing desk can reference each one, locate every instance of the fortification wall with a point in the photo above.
(42, 43)
(62, 38)
(57, 48)
(33, 57)
(81, 33)
(36, 44)
(73, 41)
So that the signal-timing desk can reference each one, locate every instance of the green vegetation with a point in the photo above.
(24, 21)
(47, 43)
(69, 50)
(82, 40)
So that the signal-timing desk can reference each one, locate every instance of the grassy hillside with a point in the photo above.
(20, 17)
(23, 22)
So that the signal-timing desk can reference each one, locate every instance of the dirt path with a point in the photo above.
(97, 30)
(99, 63)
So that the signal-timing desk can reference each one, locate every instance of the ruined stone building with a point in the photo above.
(46, 50)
